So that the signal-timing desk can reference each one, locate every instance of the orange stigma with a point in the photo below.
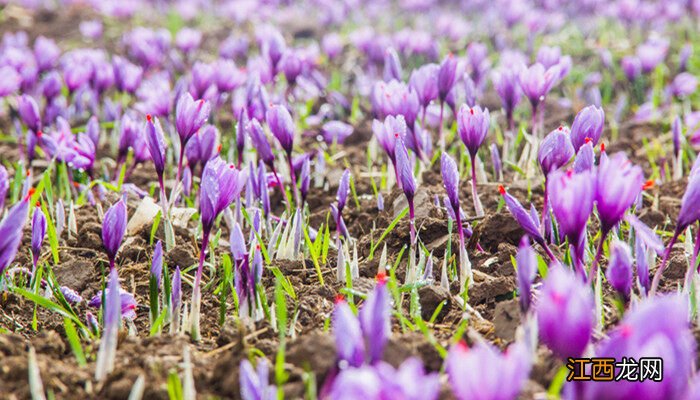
(38, 203)
(218, 148)
(587, 140)
(381, 277)
(30, 193)
(648, 184)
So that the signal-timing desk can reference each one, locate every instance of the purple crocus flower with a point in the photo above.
(652, 53)
(71, 296)
(127, 76)
(387, 133)
(684, 84)
(536, 82)
(632, 67)
(282, 126)
(336, 131)
(473, 126)
(4, 186)
(571, 197)
(127, 301)
(484, 373)
(46, 53)
(555, 150)
(305, 179)
(188, 39)
(261, 144)
(202, 146)
(157, 263)
(255, 382)
(382, 381)
(392, 65)
(526, 260)
(221, 184)
(565, 313)
(618, 183)
(113, 229)
(657, 327)
(11, 231)
(190, 115)
(447, 75)
(404, 167)
(424, 81)
(588, 124)
(343, 190)
(38, 234)
(505, 81)
(375, 320)
(349, 343)
(10, 81)
(92, 130)
(526, 220)
(156, 145)
(242, 128)
(29, 112)
(619, 273)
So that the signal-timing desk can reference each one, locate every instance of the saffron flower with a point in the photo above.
(190, 115)
(221, 185)
(617, 185)
(526, 220)
(619, 273)
(526, 260)
(482, 372)
(11, 231)
(571, 197)
(588, 124)
(255, 382)
(408, 184)
(156, 147)
(113, 229)
(29, 112)
(202, 147)
(38, 234)
(473, 126)
(657, 327)
(282, 127)
(565, 313)
(536, 82)
(505, 81)
(446, 78)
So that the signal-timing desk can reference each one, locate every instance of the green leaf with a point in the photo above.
(74, 341)
(48, 304)
(388, 230)
(314, 255)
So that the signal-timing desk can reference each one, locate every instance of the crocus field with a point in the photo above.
(349, 199)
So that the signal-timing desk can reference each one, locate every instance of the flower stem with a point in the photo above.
(412, 216)
(196, 292)
(478, 208)
(598, 255)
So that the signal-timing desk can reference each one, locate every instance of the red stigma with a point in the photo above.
(218, 148)
(76, 184)
(38, 203)
(148, 117)
(462, 345)
(587, 140)
(381, 278)
(648, 184)
(471, 110)
(30, 193)
(28, 173)
(230, 166)
(257, 247)
(569, 172)
(39, 133)
(602, 147)
(501, 190)
(339, 298)
(396, 135)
